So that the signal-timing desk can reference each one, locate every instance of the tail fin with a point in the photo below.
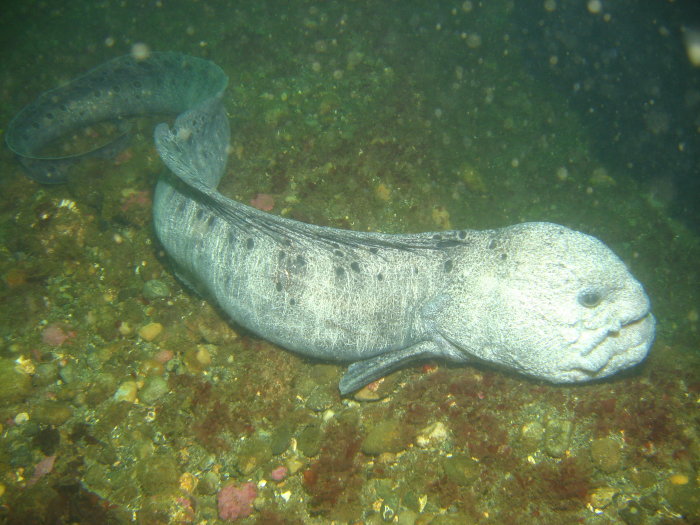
(196, 147)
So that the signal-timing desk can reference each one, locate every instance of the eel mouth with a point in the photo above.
(615, 351)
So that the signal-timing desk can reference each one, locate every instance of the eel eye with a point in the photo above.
(590, 299)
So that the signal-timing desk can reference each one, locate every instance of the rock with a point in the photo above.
(461, 469)
(14, 385)
(601, 497)
(557, 437)
(320, 399)
(155, 289)
(606, 454)
(157, 474)
(150, 331)
(434, 435)
(155, 388)
(309, 441)
(281, 438)
(531, 436)
(385, 436)
(252, 454)
(53, 413)
(127, 392)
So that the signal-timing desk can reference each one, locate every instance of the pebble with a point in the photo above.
(150, 331)
(385, 436)
(309, 441)
(155, 289)
(557, 436)
(320, 399)
(606, 454)
(531, 435)
(602, 497)
(461, 470)
(155, 388)
(14, 385)
(127, 392)
(434, 435)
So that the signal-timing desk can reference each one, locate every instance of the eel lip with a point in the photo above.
(617, 350)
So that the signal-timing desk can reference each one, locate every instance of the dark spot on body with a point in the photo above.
(462, 235)
(355, 266)
(250, 243)
(199, 215)
(339, 271)
(292, 301)
(492, 244)
(448, 265)
(504, 256)
(373, 250)
(448, 244)
(338, 253)
(380, 277)
(300, 261)
(437, 237)
(211, 221)
(282, 255)
(231, 238)
(278, 286)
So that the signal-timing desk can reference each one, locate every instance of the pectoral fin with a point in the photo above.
(363, 372)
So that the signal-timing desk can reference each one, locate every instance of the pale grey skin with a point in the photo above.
(537, 298)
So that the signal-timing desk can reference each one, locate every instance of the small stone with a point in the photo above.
(157, 474)
(309, 441)
(294, 464)
(320, 399)
(127, 392)
(385, 436)
(14, 385)
(601, 497)
(434, 435)
(53, 413)
(557, 436)
(531, 436)
(378, 389)
(155, 289)
(155, 388)
(281, 438)
(68, 373)
(606, 454)
(462, 470)
(203, 355)
(150, 331)
(679, 479)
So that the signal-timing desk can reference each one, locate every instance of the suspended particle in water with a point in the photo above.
(140, 51)
(691, 39)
